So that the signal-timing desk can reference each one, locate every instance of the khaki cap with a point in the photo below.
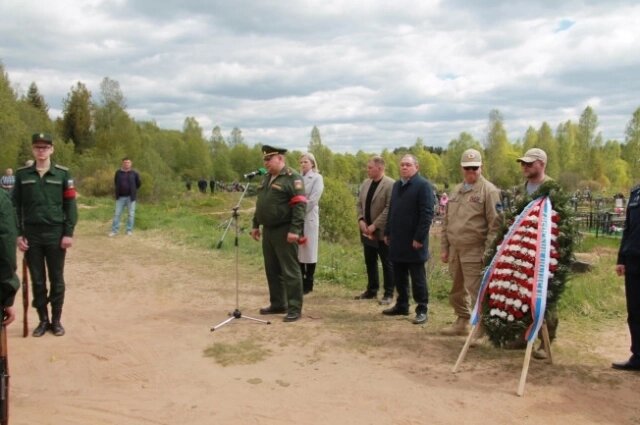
(533, 155)
(471, 158)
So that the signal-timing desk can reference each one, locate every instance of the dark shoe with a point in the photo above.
(628, 365)
(386, 300)
(273, 310)
(395, 311)
(540, 354)
(366, 295)
(307, 290)
(420, 318)
(291, 317)
(57, 329)
(41, 329)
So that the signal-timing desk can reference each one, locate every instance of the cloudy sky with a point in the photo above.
(370, 74)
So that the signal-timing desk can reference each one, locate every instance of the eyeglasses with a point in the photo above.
(41, 147)
(470, 168)
(527, 164)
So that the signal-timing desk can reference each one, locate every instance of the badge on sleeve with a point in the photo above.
(298, 184)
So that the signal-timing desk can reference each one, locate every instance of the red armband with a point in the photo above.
(70, 191)
(297, 199)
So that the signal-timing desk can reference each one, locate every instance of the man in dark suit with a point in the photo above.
(373, 207)
(407, 234)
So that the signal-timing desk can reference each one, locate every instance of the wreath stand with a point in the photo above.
(527, 356)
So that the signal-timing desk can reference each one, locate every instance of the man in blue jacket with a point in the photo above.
(407, 234)
(126, 182)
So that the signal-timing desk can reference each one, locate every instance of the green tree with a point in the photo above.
(451, 159)
(35, 99)
(322, 153)
(194, 155)
(337, 211)
(548, 143)
(12, 129)
(500, 164)
(77, 120)
(632, 145)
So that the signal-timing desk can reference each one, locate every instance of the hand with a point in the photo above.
(23, 244)
(444, 256)
(363, 227)
(371, 230)
(292, 237)
(9, 315)
(416, 245)
(620, 269)
(255, 234)
(66, 242)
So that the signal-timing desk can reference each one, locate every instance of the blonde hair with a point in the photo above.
(312, 158)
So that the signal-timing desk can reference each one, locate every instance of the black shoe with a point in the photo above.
(306, 291)
(57, 329)
(395, 311)
(366, 295)
(41, 329)
(291, 317)
(628, 365)
(386, 300)
(420, 318)
(273, 310)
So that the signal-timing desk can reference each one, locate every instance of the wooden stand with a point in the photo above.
(527, 356)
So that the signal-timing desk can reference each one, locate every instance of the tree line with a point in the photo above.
(96, 131)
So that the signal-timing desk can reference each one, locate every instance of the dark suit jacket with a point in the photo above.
(410, 216)
(379, 203)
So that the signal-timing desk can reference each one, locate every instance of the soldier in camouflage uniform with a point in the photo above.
(280, 210)
(45, 199)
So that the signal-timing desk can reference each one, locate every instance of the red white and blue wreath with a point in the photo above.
(528, 269)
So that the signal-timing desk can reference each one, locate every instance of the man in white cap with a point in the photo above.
(471, 222)
(533, 164)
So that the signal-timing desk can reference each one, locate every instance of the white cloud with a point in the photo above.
(369, 74)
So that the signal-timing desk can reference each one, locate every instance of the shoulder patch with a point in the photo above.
(62, 167)
(298, 184)
(24, 167)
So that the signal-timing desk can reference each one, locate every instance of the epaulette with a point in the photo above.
(24, 167)
(289, 171)
(62, 167)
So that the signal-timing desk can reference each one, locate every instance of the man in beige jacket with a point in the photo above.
(472, 219)
(373, 205)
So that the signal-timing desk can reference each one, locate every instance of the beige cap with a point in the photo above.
(533, 155)
(471, 158)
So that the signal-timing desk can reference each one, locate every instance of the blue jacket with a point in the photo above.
(134, 182)
(410, 216)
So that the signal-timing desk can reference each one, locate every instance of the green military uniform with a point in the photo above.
(280, 209)
(9, 282)
(46, 212)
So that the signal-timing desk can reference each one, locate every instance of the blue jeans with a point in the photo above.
(121, 203)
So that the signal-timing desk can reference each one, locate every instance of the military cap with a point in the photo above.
(269, 151)
(42, 137)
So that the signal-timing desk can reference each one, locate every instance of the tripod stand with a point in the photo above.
(236, 314)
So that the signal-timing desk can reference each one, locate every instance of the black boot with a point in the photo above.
(44, 324)
(307, 286)
(56, 326)
(307, 281)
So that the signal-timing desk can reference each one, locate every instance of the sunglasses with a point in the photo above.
(527, 164)
(470, 168)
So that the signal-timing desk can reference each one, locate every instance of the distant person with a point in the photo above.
(443, 201)
(212, 185)
(45, 201)
(407, 234)
(308, 251)
(8, 180)
(470, 225)
(628, 265)
(280, 210)
(126, 183)
(202, 185)
(187, 184)
(373, 210)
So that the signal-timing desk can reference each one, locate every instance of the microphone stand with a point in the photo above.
(236, 314)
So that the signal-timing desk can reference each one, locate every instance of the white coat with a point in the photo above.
(313, 187)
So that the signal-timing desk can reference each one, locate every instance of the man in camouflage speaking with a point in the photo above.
(280, 210)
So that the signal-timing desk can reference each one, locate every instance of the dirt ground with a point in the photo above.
(138, 316)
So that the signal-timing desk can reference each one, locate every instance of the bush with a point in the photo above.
(338, 212)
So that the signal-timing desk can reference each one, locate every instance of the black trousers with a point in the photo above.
(632, 290)
(371, 255)
(401, 273)
(43, 257)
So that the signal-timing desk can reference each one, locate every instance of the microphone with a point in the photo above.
(259, 172)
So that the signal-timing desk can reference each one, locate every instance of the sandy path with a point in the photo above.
(138, 315)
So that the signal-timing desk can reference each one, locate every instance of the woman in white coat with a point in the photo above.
(308, 252)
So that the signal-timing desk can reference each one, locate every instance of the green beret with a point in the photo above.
(268, 151)
(42, 137)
